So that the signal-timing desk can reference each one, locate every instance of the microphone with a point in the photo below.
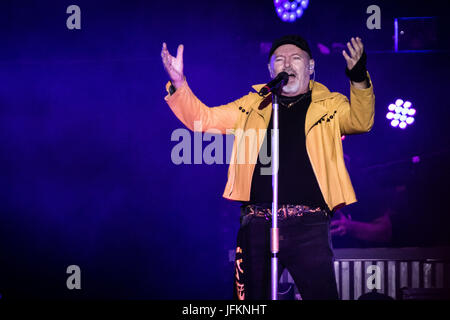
(281, 79)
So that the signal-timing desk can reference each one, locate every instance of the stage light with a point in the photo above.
(290, 10)
(400, 114)
(409, 120)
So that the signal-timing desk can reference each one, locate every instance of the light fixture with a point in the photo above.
(401, 114)
(290, 10)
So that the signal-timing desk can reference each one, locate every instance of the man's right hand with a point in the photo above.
(342, 225)
(173, 65)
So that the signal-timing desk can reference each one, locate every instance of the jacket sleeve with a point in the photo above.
(358, 115)
(189, 109)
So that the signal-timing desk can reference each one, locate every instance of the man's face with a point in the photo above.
(294, 61)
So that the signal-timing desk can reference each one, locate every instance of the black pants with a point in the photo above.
(304, 249)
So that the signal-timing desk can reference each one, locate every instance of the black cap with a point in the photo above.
(290, 39)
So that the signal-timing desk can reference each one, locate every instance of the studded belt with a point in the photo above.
(284, 211)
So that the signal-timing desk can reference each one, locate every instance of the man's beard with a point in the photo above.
(292, 87)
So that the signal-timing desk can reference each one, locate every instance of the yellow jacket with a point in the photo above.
(329, 116)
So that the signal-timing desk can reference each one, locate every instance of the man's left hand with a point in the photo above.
(356, 49)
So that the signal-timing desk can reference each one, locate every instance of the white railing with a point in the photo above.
(359, 271)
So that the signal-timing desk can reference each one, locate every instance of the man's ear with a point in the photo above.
(311, 66)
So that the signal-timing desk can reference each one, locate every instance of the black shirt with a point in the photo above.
(297, 183)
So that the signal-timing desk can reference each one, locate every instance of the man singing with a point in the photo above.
(313, 179)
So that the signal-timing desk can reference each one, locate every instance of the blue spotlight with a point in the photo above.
(290, 10)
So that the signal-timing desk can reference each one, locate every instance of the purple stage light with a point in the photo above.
(323, 48)
(400, 114)
(416, 159)
(290, 10)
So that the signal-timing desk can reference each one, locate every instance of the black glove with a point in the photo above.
(359, 71)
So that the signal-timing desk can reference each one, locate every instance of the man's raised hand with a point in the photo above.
(356, 49)
(173, 65)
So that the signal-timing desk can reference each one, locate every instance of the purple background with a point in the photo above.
(86, 176)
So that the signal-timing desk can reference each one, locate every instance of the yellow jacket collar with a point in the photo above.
(319, 92)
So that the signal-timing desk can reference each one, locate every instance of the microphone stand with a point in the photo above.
(275, 87)
(274, 231)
